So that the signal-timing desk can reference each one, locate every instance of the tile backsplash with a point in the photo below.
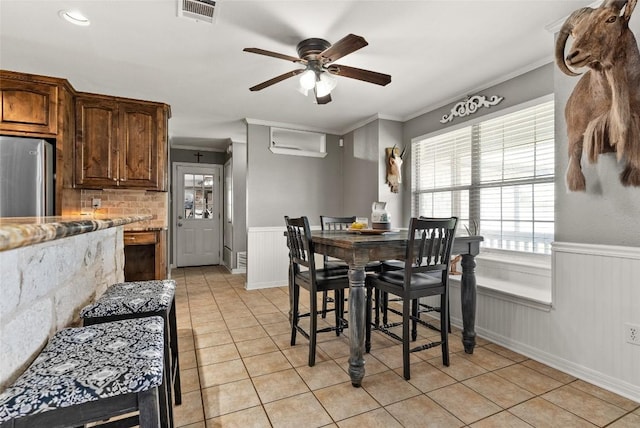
(129, 202)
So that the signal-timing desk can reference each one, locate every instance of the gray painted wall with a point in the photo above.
(360, 170)
(239, 165)
(181, 155)
(607, 212)
(528, 86)
(365, 169)
(279, 185)
(390, 133)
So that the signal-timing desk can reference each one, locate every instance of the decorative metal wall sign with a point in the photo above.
(470, 106)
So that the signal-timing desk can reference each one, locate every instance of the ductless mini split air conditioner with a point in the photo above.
(200, 10)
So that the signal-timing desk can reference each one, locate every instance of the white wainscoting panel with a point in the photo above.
(267, 257)
(596, 290)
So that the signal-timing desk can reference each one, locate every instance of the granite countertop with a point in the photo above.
(23, 231)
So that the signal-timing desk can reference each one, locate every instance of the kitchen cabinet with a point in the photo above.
(28, 106)
(43, 107)
(145, 255)
(120, 143)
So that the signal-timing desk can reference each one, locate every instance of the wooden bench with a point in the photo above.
(90, 374)
(135, 299)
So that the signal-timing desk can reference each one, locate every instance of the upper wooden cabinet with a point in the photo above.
(28, 106)
(120, 143)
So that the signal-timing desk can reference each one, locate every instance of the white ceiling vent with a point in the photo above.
(200, 10)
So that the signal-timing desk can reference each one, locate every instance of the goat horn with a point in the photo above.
(563, 36)
(402, 154)
(393, 152)
(629, 9)
(618, 4)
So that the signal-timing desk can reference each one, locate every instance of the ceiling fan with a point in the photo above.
(318, 55)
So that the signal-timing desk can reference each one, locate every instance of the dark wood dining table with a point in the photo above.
(358, 249)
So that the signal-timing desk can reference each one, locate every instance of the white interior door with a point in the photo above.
(197, 209)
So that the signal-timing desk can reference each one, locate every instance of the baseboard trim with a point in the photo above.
(617, 386)
(266, 284)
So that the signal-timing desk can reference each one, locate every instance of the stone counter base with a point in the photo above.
(45, 285)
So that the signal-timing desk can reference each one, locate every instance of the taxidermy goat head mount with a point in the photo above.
(394, 167)
(603, 112)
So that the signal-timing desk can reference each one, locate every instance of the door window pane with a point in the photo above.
(198, 196)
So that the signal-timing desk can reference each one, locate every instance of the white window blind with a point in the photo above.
(497, 175)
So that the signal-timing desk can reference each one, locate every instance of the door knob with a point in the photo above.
(179, 224)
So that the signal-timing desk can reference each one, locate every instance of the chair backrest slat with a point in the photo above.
(336, 223)
(299, 242)
(429, 245)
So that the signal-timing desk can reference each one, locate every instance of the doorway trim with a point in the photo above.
(175, 208)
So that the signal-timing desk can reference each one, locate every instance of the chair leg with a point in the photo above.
(149, 408)
(295, 289)
(175, 361)
(448, 315)
(338, 309)
(377, 298)
(325, 297)
(406, 303)
(166, 389)
(414, 323)
(367, 322)
(444, 327)
(313, 327)
(384, 297)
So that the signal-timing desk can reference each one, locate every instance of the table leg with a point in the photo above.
(357, 309)
(468, 298)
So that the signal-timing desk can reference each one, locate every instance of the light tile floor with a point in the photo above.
(239, 370)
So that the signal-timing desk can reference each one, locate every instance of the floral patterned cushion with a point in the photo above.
(132, 298)
(85, 364)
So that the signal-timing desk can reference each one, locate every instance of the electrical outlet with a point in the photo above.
(96, 203)
(632, 333)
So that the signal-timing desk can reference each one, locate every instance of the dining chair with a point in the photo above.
(425, 273)
(383, 306)
(303, 273)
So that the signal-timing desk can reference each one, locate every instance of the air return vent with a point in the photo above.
(241, 259)
(200, 10)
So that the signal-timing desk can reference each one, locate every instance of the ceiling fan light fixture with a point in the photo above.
(303, 91)
(308, 79)
(326, 83)
(74, 17)
(319, 74)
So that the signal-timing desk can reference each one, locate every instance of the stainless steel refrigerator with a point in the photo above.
(26, 177)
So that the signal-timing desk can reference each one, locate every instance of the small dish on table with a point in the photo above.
(370, 231)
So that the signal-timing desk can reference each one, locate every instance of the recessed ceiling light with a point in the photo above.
(74, 17)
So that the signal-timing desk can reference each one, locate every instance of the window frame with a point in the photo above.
(473, 187)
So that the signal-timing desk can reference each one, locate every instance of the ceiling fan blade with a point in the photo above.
(322, 100)
(275, 55)
(275, 80)
(360, 74)
(342, 47)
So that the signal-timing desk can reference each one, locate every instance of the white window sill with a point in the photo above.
(524, 279)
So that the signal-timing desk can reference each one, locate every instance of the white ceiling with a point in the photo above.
(437, 52)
